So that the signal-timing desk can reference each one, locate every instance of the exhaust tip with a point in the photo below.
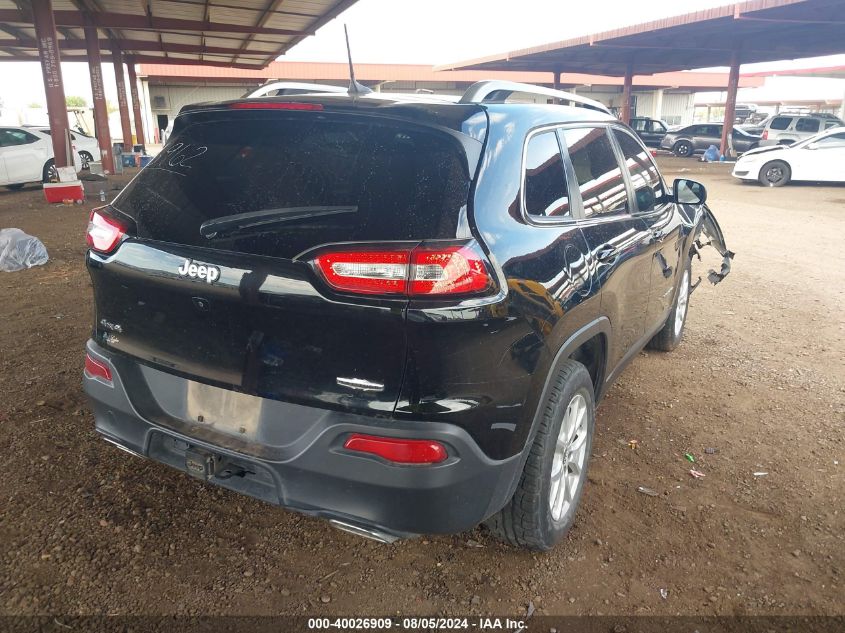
(369, 533)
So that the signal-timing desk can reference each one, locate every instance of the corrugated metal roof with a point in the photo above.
(758, 31)
(237, 33)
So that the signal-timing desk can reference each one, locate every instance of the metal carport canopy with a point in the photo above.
(233, 33)
(759, 31)
(731, 35)
(229, 33)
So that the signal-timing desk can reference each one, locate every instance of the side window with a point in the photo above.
(648, 188)
(657, 126)
(9, 138)
(713, 131)
(640, 125)
(830, 124)
(832, 141)
(598, 173)
(807, 125)
(545, 180)
(780, 123)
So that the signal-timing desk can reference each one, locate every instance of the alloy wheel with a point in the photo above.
(774, 174)
(569, 458)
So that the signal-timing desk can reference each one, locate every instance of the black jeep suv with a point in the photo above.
(397, 313)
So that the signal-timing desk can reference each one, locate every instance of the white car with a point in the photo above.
(26, 155)
(87, 146)
(819, 158)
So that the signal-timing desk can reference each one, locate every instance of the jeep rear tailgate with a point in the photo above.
(211, 282)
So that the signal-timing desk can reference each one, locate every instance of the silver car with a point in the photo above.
(786, 129)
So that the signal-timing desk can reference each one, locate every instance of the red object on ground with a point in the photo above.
(58, 192)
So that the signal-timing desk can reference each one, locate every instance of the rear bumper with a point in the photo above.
(293, 456)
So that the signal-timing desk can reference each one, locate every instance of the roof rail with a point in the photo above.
(494, 90)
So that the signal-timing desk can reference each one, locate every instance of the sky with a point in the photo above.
(420, 32)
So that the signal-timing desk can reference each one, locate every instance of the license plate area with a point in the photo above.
(246, 476)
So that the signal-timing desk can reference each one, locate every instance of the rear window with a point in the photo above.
(280, 186)
(780, 123)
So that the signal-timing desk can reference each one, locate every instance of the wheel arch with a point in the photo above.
(594, 335)
(591, 338)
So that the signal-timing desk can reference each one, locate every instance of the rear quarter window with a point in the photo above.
(545, 179)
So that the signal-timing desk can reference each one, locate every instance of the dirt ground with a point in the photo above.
(87, 529)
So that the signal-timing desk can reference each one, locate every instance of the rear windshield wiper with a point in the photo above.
(267, 217)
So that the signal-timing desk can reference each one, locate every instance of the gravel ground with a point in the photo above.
(87, 529)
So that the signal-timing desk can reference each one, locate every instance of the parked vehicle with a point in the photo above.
(87, 146)
(744, 111)
(287, 88)
(820, 158)
(395, 313)
(694, 139)
(786, 128)
(651, 131)
(26, 155)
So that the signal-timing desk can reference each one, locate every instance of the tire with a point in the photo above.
(528, 519)
(672, 332)
(16, 187)
(775, 174)
(86, 159)
(682, 149)
(50, 173)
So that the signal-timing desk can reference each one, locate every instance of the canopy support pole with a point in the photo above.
(136, 102)
(120, 80)
(626, 94)
(101, 113)
(730, 106)
(51, 70)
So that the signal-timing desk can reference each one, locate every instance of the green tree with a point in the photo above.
(34, 105)
(75, 102)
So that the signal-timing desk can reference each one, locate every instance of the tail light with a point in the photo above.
(427, 270)
(96, 368)
(104, 232)
(765, 134)
(397, 450)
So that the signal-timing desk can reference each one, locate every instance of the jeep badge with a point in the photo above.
(199, 271)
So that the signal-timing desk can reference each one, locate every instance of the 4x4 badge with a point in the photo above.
(199, 271)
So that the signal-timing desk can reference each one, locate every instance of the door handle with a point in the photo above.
(607, 254)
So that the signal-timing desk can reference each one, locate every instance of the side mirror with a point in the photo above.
(688, 191)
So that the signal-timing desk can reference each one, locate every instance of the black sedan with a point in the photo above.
(697, 138)
(651, 131)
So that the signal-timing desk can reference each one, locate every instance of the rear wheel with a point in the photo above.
(542, 510)
(775, 174)
(50, 172)
(672, 333)
(682, 149)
